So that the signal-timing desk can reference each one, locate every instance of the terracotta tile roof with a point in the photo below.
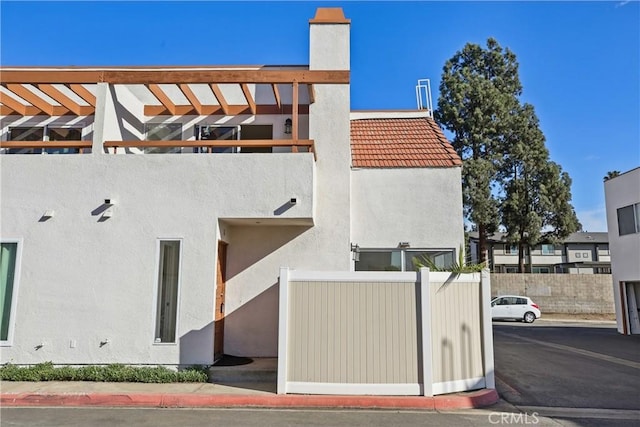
(400, 143)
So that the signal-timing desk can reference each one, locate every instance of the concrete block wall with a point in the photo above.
(559, 293)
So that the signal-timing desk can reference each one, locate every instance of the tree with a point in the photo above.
(611, 174)
(507, 176)
(535, 206)
(478, 92)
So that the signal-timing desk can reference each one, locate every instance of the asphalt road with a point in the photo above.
(112, 417)
(548, 374)
(581, 366)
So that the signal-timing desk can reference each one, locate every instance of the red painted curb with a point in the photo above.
(471, 400)
(474, 399)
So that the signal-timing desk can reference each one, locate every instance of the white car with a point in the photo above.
(514, 307)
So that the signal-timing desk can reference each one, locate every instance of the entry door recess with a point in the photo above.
(218, 339)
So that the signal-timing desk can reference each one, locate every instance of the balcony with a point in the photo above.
(119, 147)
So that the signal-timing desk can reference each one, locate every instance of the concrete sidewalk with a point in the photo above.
(193, 395)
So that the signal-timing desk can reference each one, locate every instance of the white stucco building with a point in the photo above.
(622, 197)
(146, 211)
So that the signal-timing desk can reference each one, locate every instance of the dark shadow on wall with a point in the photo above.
(124, 115)
(250, 244)
(254, 325)
(196, 346)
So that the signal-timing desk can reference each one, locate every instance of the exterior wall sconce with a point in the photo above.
(108, 213)
(49, 213)
(356, 252)
(404, 245)
(287, 126)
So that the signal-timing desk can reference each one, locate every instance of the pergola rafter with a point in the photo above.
(218, 94)
(249, 98)
(15, 81)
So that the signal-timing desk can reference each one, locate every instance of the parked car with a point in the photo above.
(515, 307)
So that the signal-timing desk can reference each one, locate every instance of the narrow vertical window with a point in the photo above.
(7, 273)
(168, 275)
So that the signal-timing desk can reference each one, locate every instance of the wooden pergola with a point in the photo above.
(59, 92)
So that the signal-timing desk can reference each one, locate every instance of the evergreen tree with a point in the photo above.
(478, 91)
(535, 206)
(507, 177)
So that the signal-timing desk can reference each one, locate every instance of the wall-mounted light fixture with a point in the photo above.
(293, 201)
(287, 126)
(404, 245)
(49, 213)
(108, 213)
(356, 252)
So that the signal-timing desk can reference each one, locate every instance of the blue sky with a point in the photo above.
(579, 61)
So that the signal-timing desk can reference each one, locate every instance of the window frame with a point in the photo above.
(162, 150)
(15, 289)
(219, 150)
(510, 249)
(45, 137)
(635, 218)
(157, 295)
(546, 252)
(538, 269)
(403, 255)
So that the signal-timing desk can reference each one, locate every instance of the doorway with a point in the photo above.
(633, 306)
(218, 330)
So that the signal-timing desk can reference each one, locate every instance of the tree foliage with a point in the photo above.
(611, 174)
(508, 179)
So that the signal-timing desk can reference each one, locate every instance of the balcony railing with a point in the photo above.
(21, 145)
(307, 145)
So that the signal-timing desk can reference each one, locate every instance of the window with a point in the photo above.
(163, 132)
(64, 134)
(8, 256)
(544, 270)
(45, 133)
(548, 249)
(401, 259)
(383, 260)
(629, 219)
(441, 259)
(511, 249)
(511, 269)
(168, 280)
(213, 133)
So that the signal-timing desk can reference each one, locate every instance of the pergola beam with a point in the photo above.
(115, 76)
(162, 97)
(249, 98)
(294, 131)
(193, 99)
(217, 110)
(12, 105)
(218, 94)
(83, 93)
(61, 98)
(31, 98)
(312, 94)
(276, 94)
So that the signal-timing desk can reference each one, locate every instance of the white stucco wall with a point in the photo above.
(86, 280)
(252, 298)
(619, 192)
(419, 206)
